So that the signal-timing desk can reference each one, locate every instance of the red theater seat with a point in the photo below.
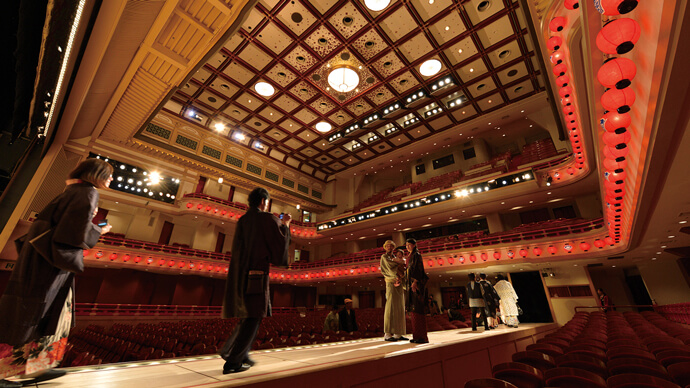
(582, 361)
(551, 350)
(680, 373)
(670, 357)
(636, 380)
(522, 375)
(637, 365)
(538, 360)
(573, 378)
(489, 383)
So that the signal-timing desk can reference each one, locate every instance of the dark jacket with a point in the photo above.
(260, 240)
(416, 301)
(348, 322)
(491, 298)
(49, 256)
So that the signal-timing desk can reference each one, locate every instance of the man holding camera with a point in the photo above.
(261, 239)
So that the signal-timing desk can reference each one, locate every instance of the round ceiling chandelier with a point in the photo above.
(264, 88)
(430, 67)
(343, 79)
(376, 5)
(323, 126)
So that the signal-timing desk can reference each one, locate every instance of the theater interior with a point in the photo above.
(543, 140)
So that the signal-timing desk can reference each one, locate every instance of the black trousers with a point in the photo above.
(474, 311)
(236, 348)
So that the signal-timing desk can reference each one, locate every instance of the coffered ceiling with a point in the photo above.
(483, 47)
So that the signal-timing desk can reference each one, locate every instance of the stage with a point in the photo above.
(451, 358)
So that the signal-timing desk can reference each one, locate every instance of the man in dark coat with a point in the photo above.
(261, 239)
(475, 294)
(348, 321)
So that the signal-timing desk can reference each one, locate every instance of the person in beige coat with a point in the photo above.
(394, 314)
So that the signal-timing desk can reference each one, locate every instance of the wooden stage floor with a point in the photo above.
(368, 359)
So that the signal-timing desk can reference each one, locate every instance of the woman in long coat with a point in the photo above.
(417, 293)
(36, 308)
(394, 313)
(509, 310)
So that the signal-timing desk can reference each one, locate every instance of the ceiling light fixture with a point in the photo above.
(343, 79)
(377, 5)
(265, 89)
(323, 127)
(219, 127)
(430, 67)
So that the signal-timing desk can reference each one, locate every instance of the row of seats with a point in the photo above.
(601, 350)
(119, 239)
(122, 342)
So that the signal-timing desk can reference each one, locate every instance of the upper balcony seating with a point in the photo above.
(604, 349)
(118, 239)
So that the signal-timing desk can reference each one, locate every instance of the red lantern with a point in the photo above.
(613, 185)
(557, 57)
(612, 176)
(171, 263)
(620, 135)
(511, 254)
(557, 24)
(125, 258)
(598, 243)
(618, 100)
(113, 256)
(208, 208)
(199, 206)
(559, 70)
(568, 248)
(497, 255)
(137, 259)
(484, 256)
(473, 258)
(572, 4)
(440, 261)
(562, 81)
(537, 251)
(569, 111)
(189, 205)
(181, 264)
(585, 246)
(554, 43)
(451, 260)
(223, 212)
(565, 92)
(552, 249)
(619, 151)
(609, 241)
(430, 263)
(461, 259)
(523, 252)
(618, 36)
(614, 120)
(615, 7)
(617, 72)
(567, 102)
(570, 170)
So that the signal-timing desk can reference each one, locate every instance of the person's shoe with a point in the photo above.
(249, 361)
(475, 329)
(10, 384)
(227, 369)
(391, 339)
(419, 341)
(401, 338)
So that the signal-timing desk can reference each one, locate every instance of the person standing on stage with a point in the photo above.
(36, 309)
(261, 239)
(509, 310)
(475, 294)
(491, 301)
(416, 297)
(394, 313)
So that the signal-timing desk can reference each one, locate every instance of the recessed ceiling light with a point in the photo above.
(671, 236)
(430, 67)
(459, 51)
(663, 246)
(683, 222)
(323, 127)
(376, 5)
(471, 70)
(219, 127)
(658, 253)
(265, 89)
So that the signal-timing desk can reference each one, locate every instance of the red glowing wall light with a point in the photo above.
(497, 255)
(552, 249)
(585, 246)
(554, 43)
(537, 251)
(618, 36)
(523, 252)
(618, 100)
(113, 256)
(484, 256)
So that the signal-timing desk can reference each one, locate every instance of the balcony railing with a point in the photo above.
(121, 241)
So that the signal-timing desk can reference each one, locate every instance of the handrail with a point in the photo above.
(108, 309)
(617, 306)
(560, 229)
(112, 240)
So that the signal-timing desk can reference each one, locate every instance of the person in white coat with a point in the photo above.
(508, 303)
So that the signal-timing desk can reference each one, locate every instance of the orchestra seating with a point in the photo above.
(611, 349)
(122, 342)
